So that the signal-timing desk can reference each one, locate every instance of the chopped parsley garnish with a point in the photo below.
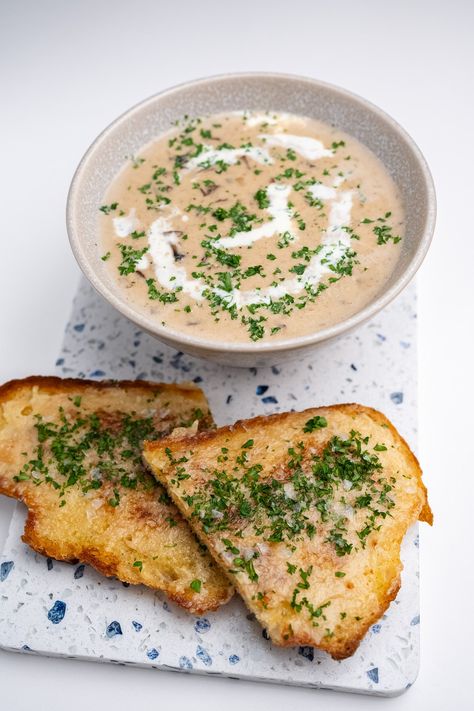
(315, 423)
(115, 500)
(196, 585)
(242, 220)
(246, 564)
(384, 234)
(285, 239)
(155, 294)
(93, 451)
(130, 258)
(343, 474)
(107, 209)
(382, 230)
(262, 198)
(255, 326)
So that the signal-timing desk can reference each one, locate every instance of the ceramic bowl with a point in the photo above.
(254, 91)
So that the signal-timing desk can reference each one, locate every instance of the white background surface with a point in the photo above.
(67, 70)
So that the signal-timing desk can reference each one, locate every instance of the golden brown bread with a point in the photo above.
(306, 512)
(70, 450)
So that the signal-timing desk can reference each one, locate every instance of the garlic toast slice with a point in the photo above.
(305, 511)
(71, 451)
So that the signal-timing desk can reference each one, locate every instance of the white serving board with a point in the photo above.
(58, 609)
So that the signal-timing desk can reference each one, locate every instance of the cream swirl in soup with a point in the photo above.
(249, 225)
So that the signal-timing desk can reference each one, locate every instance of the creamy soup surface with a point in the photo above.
(245, 226)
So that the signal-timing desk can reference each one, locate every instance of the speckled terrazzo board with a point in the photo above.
(59, 609)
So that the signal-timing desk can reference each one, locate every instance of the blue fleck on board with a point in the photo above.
(59, 609)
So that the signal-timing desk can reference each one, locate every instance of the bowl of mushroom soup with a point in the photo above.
(249, 218)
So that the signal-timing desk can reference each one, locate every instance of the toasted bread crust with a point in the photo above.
(111, 539)
(53, 384)
(371, 575)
